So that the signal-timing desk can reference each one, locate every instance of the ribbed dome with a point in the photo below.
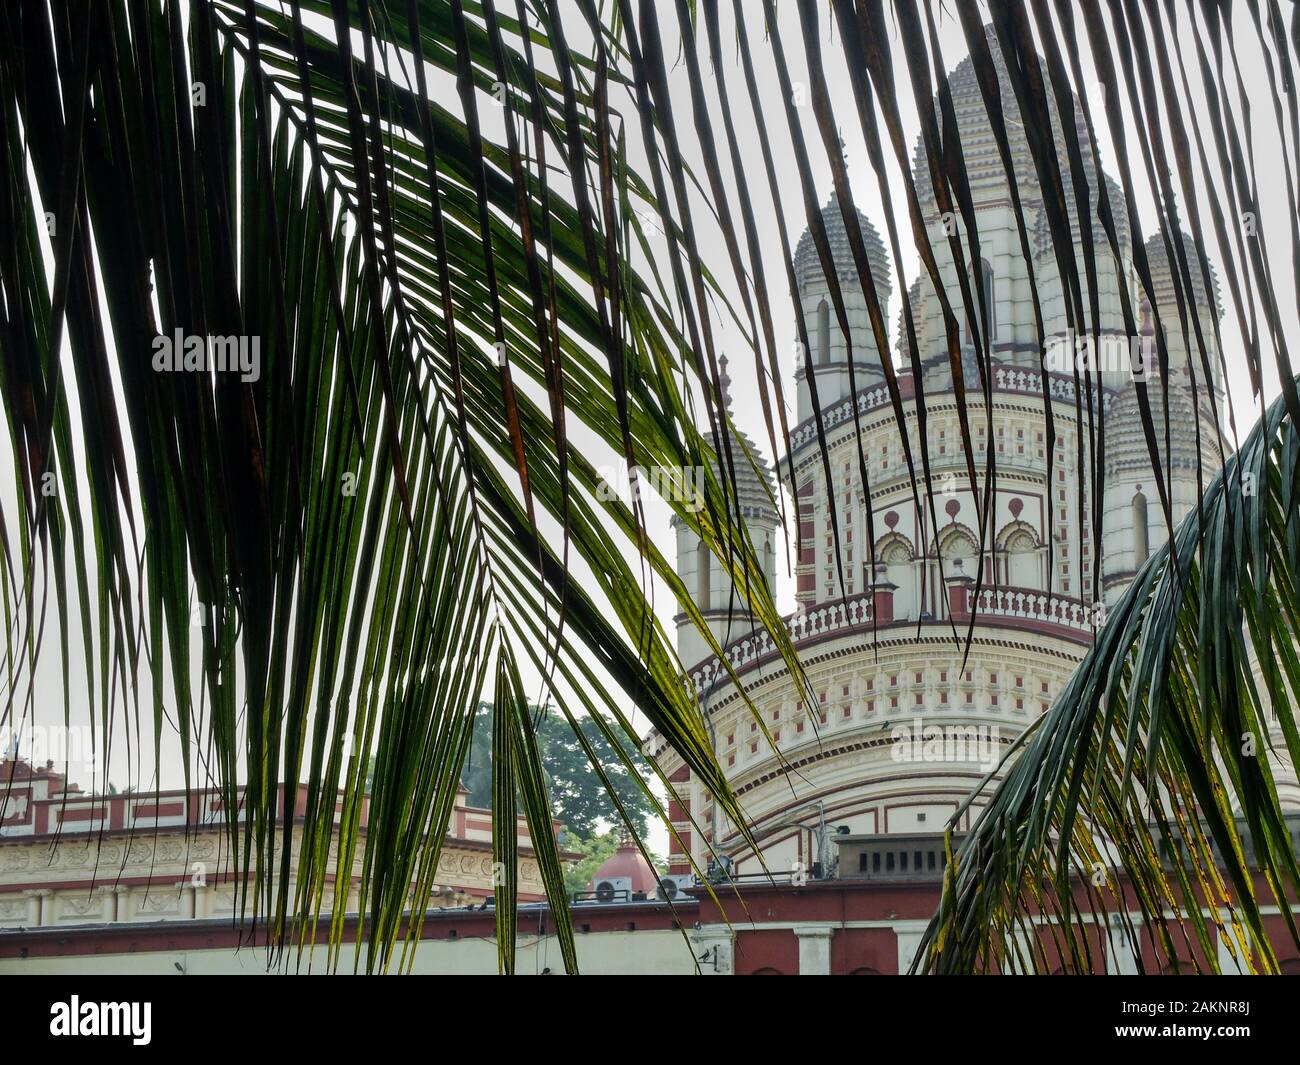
(807, 264)
(755, 494)
(979, 147)
(628, 862)
(1044, 248)
(1126, 445)
(755, 483)
(1162, 276)
(918, 318)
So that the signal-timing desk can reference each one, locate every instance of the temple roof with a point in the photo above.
(807, 264)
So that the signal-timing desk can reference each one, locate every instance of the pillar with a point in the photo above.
(107, 904)
(715, 950)
(814, 949)
(909, 935)
(882, 597)
(958, 588)
(1120, 958)
(34, 906)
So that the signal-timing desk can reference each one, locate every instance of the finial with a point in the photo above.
(724, 383)
(1145, 327)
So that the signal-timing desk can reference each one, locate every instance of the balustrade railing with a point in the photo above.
(804, 626)
(817, 623)
(1034, 605)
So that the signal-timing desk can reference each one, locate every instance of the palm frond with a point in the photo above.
(430, 309)
(1151, 785)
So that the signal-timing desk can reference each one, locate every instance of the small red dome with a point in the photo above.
(628, 862)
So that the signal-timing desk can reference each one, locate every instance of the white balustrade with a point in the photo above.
(845, 615)
(1031, 604)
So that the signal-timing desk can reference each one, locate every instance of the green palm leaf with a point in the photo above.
(454, 354)
(1149, 784)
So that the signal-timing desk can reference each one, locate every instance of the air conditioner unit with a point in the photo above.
(614, 889)
(719, 870)
(673, 886)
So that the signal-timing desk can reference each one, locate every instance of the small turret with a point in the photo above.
(705, 577)
(1133, 522)
(830, 349)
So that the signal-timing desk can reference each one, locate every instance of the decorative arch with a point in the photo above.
(893, 548)
(958, 551)
(954, 535)
(1014, 530)
(897, 555)
(1018, 544)
(823, 332)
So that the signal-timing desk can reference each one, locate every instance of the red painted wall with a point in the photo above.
(864, 952)
(767, 953)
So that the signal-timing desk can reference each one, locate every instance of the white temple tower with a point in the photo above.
(831, 350)
(1134, 524)
(902, 723)
(709, 584)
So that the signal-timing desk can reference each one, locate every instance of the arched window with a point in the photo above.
(958, 545)
(769, 562)
(990, 305)
(1141, 544)
(960, 555)
(897, 556)
(1022, 560)
(703, 577)
(823, 333)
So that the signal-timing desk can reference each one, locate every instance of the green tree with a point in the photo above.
(594, 851)
(578, 796)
